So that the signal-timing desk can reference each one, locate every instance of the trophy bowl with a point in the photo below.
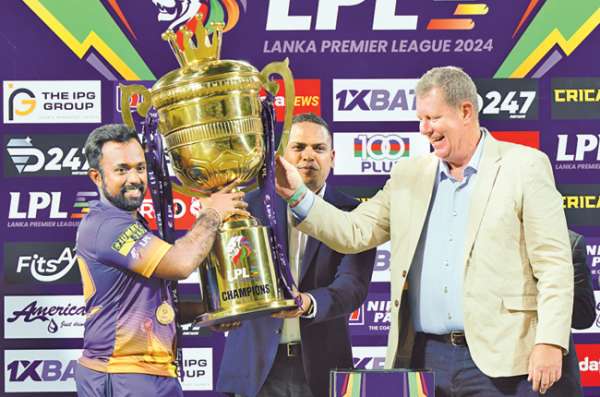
(209, 112)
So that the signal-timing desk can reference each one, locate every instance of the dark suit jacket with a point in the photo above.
(339, 284)
(584, 315)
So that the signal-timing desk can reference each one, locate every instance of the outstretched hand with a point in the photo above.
(287, 178)
(227, 202)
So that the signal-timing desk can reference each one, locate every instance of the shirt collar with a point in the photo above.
(472, 167)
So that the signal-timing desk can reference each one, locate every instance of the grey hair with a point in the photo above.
(456, 85)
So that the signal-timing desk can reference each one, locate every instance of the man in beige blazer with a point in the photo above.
(481, 274)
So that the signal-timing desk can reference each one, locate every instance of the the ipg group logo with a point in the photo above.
(589, 364)
(198, 369)
(307, 97)
(375, 153)
(47, 316)
(40, 263)
(577, 151)
(575, 98)
(69, 101)
(374, 100)
(39, 371)
(372, 317)
(45, 155)
(368, 357)
(42, 209)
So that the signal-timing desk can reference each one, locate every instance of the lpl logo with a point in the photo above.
(46, 209)
(578, 152)
(374, 100)
(36, 371)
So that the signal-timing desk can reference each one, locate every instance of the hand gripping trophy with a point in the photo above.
(217, 131)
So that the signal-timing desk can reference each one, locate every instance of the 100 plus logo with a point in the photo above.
(375, 153)
(374, 100)
(46, 155)
(46, 209)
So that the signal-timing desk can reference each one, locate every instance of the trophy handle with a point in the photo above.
(127, 91)
(282, 69)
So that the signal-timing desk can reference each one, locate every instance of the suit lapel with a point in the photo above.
(312, 244)
(486, 177)
(420, 196)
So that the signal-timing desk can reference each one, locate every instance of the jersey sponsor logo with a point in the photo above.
(125, 241)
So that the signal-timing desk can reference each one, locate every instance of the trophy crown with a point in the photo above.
(206, 48)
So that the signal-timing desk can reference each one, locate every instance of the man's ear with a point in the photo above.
(467, 112)
(95, 176)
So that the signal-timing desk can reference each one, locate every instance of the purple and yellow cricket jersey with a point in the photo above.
(117, 256)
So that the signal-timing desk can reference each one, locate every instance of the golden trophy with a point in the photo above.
(209, 112)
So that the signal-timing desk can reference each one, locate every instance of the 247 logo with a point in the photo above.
(501, 99)
(46, 155)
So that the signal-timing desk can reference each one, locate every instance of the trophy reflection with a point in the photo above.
(209, 113)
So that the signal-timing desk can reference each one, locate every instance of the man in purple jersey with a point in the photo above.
(129, 338)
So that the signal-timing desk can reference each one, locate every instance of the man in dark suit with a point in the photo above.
(584, 315)
(291, 353)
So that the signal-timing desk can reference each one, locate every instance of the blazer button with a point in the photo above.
(278, 331)
(396, 302)
(404, 273)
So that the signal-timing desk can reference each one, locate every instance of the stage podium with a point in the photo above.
(381, 383)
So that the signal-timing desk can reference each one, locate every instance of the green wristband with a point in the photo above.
(297, 194)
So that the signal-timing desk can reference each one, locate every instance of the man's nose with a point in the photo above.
(425, 127)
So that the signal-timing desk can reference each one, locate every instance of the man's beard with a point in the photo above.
(120, 201)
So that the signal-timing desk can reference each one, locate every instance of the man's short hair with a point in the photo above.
(456, 85)
(103, 134)
(313, 118)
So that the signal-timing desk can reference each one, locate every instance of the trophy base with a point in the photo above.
(244, 312)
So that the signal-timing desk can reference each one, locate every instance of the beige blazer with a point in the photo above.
(518, 277)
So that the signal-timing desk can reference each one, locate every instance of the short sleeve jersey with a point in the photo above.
(117, 256)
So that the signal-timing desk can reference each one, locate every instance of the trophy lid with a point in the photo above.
(201, 72)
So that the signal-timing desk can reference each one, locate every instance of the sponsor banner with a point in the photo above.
(372, 318)
(503, 99)
(307, 97)
(595, 328)
(40, 263)
(375, 153)
(47, 209)
(198, 368)
(577, 152)
(39, 371)
(381, 270)
(593, 260)
(581, 204)
(47, 316)
(575, 98)
(185, 210)
(368, 357)
(374, 100)
(527, 138)
(45, 155)
(68, 101)
(589, 364)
